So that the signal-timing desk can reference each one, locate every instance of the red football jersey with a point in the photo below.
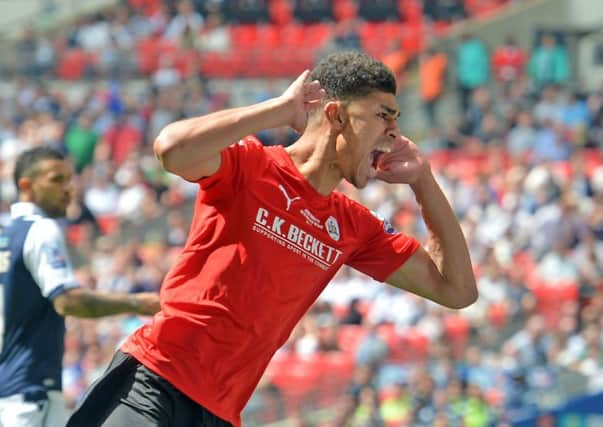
(262, 246)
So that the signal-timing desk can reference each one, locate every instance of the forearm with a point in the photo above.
(89, 304)
(447, 246)
(192, 141)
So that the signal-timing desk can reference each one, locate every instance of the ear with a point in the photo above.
(336, 114)
(24, 184)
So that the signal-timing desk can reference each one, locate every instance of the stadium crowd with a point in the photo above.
(521, 164)
(232, 38)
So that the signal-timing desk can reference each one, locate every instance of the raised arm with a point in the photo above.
(444, 274)
(80, 302)
(191, 148)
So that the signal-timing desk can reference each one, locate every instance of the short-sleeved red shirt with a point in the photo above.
(263, 244)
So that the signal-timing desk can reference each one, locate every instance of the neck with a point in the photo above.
(315, 156)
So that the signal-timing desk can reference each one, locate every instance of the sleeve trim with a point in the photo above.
(61, 289)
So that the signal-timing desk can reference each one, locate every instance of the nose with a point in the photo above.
(393, 131)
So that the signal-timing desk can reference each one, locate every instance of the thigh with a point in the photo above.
(15, 412)
(125, 415)
(56, 415)
(105, 394)
(208, 419)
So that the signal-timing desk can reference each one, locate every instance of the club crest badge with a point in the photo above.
(387, 226)
(332, 228)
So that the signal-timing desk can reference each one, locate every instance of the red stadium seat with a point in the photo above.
(269, 36)
(416, 344)
(243, 36)
(317, 35)
(150, 50)
(411, 10)
(550, 298)
(413, 37)
(280, 12)
(344, 10)
(297, 378)
(457, 329)
(336, 370)
(293, 36)
(186, 61)
(438, 159)
(390, 335)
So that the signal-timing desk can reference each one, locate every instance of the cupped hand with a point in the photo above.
(301, 97)
(403, 165)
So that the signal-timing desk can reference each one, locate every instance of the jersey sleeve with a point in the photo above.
(239, 161)
(45, 255)
(382, 250)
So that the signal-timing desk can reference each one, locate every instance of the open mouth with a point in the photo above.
(377, 154)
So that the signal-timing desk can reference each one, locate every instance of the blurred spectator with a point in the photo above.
(477, 412)
(575, 117)
(549, 63)
(432, 76)
(353, 315)
(159, 20)
(480, 107)
(396, 59)
(520, 141)
(122, 138)
(372, 349)
(346, 36)
(367, 412)
(508, 62)
(101, 195)
(396, 406)
(555, 265)
(528, 346)
(549, 106)
(473, 67)
(214, 37)
(551, 143)
(185, 25)
(80, 141)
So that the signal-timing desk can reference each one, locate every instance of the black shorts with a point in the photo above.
(129, 394)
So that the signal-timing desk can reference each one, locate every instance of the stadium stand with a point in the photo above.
(522, 167)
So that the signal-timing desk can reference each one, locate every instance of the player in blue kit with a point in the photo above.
(38, 288)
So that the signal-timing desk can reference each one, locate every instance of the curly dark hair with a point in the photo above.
(352, 74)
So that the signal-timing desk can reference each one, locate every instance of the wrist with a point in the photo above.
(424, 182)
(285, 111)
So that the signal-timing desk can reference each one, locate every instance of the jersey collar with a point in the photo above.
(25, 208)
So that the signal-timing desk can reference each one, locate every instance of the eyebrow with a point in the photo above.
(390, 111)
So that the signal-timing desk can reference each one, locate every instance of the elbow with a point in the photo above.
(63, 305)
(464, 299)
(163, 147)
(61, 309)
(460, 297)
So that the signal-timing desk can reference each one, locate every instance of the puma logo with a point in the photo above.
(289, 199)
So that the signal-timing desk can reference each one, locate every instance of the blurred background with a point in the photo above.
(506, 98)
